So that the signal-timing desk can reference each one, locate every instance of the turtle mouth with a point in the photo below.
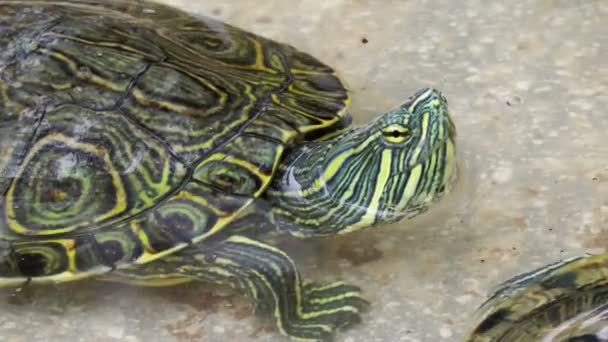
(442, 144)
(451, 127)
(429, 145)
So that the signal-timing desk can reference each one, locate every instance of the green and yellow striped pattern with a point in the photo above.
(565, 301)
(140, 142)
(392, 168)
(301, 310)
(130, 130)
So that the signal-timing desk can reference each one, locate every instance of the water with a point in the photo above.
(527, 82)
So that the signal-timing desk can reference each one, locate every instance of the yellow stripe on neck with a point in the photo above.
(372, 209)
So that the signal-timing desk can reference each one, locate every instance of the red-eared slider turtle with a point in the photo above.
(566, 301)
(160, 147)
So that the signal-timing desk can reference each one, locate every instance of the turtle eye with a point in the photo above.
(395, 134)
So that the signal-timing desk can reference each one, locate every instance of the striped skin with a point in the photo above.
(565, 301)
(386, 153)
(301, 310)
(130, 130)
(137, 141)
(394, 167)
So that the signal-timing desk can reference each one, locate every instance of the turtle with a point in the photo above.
(562, 301)
(144, 144)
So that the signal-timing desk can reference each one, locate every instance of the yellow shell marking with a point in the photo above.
(121, 197)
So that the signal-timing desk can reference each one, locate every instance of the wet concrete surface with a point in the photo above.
(527, 82)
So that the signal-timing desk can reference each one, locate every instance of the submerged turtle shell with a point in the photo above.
(130, 129)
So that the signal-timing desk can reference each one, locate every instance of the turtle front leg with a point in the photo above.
(303, 311)
(300, 310)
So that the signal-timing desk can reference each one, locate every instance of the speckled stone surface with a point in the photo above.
(527, 82)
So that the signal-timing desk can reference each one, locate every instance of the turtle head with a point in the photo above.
(389, 169)
(416, 155)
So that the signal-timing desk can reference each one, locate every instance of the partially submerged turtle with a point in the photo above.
(564, 301)
(158, 147)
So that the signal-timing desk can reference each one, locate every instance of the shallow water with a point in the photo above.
(528, 85)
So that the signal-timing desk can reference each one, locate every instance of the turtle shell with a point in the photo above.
(129, 130)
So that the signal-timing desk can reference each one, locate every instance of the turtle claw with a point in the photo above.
(325, 309)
